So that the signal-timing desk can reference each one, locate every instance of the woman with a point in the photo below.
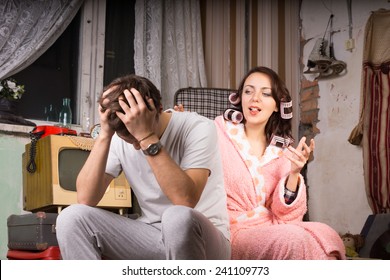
(266, 192)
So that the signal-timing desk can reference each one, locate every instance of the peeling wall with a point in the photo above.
(337, 192)
(11, 183)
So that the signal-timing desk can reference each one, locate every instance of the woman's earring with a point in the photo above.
(286, 110)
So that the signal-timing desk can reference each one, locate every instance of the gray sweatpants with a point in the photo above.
(85, 232)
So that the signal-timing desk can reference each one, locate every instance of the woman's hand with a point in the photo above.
(300, 155)
(178, 108)
(298, 158)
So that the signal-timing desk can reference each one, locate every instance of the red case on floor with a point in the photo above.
(51, 253)
(32, 232)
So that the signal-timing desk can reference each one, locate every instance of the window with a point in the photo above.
(52, 76)
(119, 41)
(61, 71)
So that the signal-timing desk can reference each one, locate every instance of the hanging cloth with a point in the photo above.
(373, 130)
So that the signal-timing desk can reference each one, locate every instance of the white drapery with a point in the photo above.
(168, 46)
(28, 28)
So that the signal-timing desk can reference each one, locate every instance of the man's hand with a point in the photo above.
(105, 129)
(139, 120)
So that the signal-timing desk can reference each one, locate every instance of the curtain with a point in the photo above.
(374, 125)
(28, 28)
(168, 46)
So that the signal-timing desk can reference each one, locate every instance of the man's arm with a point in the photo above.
(181, 187)
(92, 180)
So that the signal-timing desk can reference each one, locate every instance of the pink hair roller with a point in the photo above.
(234, 98)
(286, 110)
(233, 115)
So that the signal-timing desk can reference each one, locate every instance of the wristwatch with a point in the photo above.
(153, 149)
(95, 130)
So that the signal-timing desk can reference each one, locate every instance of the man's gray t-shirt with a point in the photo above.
(191, 140)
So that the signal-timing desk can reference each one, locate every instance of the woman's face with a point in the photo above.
(257, 101)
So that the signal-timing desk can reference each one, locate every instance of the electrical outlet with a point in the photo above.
(120, 194)
(349, 44)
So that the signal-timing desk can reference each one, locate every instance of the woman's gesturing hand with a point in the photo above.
(300, 155)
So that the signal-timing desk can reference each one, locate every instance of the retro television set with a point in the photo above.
(52, 186)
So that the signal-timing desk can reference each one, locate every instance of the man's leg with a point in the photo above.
(85, 232)
(189, 235)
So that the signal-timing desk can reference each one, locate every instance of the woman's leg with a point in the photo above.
(276, 242)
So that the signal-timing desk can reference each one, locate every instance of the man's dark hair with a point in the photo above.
(145, 87)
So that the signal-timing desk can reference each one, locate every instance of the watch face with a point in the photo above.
(95, 131)
(153, 149)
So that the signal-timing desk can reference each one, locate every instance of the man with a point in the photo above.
(173, 165)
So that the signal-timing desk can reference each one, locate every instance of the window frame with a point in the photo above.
(91, 62)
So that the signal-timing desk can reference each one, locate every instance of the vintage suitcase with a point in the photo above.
(51, 253)
(35, 231)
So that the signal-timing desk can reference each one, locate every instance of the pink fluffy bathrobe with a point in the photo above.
(263, 226)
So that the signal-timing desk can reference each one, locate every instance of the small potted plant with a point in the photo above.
(10, 92)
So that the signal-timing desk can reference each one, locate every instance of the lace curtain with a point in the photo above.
(28, 28)
(168, 45)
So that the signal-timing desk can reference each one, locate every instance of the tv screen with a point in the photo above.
(70, 162)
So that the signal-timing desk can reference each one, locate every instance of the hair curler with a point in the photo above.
(233, 115)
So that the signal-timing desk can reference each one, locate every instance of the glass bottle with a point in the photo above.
(65, 115)
(51, 114)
